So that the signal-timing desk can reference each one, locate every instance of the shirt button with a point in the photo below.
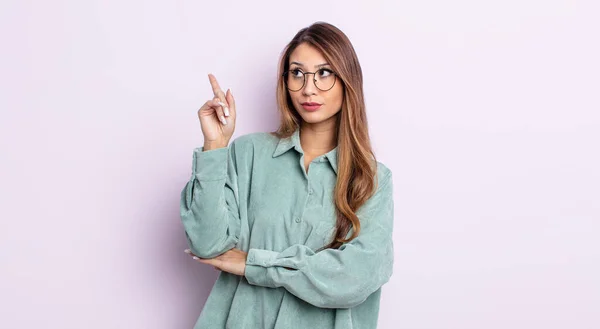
(297, 219)
(310, 191)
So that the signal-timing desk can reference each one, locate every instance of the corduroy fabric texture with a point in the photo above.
(255, 195)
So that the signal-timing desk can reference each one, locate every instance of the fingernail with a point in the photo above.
(225, 109)
(196, 258)
(223, 120)
(187, 251)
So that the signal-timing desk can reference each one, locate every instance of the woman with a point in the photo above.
(300, 220)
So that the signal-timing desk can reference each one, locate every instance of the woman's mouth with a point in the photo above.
(310, 106)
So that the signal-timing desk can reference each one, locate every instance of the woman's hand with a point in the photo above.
(232, 261)
(217, 117)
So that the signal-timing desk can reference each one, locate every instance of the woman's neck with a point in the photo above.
(318, 139)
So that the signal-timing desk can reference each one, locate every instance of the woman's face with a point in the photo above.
(306, 58)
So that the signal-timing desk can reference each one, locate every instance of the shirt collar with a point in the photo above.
(285, 144)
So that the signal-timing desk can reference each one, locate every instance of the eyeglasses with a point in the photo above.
(296, 79)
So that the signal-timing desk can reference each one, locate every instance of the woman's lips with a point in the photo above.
(311, 106)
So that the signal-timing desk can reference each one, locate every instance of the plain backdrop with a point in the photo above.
(487, 112)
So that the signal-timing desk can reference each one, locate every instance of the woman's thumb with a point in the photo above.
(230, 99)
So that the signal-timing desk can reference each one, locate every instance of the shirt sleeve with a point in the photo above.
(334, 278)
(209, 204)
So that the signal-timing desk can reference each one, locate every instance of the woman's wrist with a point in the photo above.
(214, 145)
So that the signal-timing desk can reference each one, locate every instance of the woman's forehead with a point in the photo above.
(307, 56)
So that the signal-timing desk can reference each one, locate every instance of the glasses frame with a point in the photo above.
(284, 75)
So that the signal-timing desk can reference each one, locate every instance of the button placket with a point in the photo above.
(310, 189)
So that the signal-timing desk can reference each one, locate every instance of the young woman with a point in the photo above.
(300, 220)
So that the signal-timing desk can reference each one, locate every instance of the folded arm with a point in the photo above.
(334, 278)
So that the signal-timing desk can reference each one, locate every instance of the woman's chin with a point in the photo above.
(318, 116)
(312, 117)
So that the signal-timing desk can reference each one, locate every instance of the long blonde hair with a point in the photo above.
(356, 160)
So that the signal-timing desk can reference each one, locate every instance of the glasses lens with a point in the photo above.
(324, 79)
(294, 80)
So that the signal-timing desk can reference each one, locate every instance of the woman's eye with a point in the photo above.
(325, 72)
(296, 72)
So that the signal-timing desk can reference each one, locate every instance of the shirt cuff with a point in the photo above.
(211, 164)
(258, 265)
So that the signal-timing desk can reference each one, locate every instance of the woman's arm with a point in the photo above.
(210, 202)
(331, 278)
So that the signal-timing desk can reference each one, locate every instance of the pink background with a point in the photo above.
(488, 113)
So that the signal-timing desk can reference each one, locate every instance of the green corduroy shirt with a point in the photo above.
(255, 195)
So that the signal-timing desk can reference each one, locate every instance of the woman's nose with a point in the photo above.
(309, 86)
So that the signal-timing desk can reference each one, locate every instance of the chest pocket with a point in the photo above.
(320, 233)
(325, 230)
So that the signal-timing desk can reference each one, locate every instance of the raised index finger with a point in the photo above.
(215, 86)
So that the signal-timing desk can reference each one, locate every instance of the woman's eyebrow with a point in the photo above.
(300, 64)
